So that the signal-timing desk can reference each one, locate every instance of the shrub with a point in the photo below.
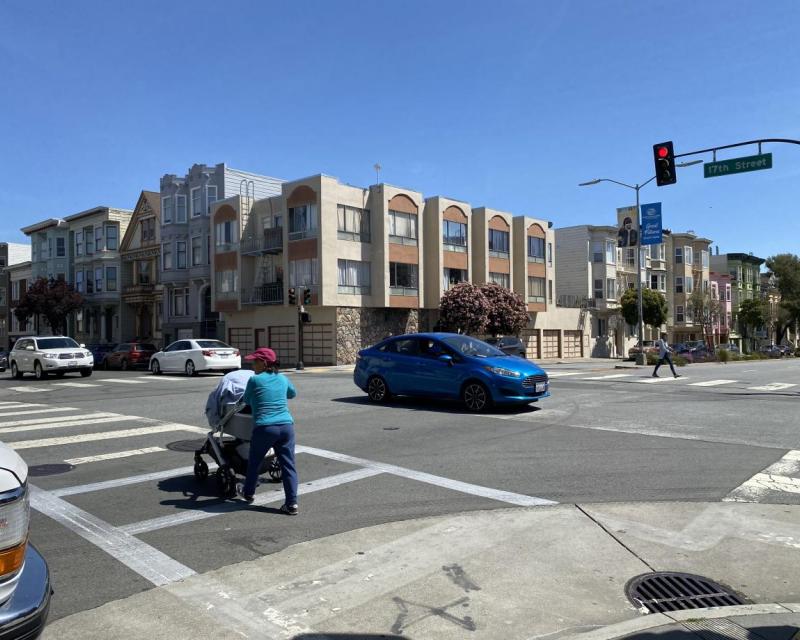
(723, 355)
(652, 358)
(679, 360)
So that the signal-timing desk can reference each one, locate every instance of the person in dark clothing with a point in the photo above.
(664, 351)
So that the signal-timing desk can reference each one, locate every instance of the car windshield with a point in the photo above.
(57, 343)
(144, 347)
(472, 347)
(212, 344)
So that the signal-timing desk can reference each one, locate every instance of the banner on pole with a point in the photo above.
(651, 223)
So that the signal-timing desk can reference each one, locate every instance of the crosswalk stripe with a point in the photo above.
(773, 386)
(609, 377)
(36, 425)
(105, 435)
(22, 405)
(563, 374)
(27, 412)
(779, 476)
(114, 456)
(711, 383)
(125, 482)
(124, 381)
(165, 378)
(652, 380)
(77, 385)
(30, 389)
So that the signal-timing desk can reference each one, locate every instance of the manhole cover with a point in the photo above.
(669, 591)
(49, 469)
(186, 446)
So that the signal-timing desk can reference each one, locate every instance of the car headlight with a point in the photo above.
(50, 356)
(500, 371)
(87, 354)
(14, 519)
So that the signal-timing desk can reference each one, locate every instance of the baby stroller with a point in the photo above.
(229, 446)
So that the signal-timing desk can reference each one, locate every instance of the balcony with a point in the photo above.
(270, 242)
(269, 293)
(138, 289)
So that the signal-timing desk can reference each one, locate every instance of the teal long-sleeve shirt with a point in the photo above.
(267, 393)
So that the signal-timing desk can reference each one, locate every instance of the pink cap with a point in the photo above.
(262, 353)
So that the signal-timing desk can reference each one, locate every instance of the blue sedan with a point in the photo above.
(450, 366)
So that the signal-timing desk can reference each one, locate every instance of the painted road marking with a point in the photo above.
(609, 377)
(27, 412)
(30, 389)
(123, 381)
(33, 425)
(563, 374)
(124, 482)
(438, 481)
(651, 380)
(711, 383)
(212, 509)
(164, 378)
(783, 476)
(105, 435)
(77, 385)
(148, 562)
(114, 456)
(773, 386)
(5, 405)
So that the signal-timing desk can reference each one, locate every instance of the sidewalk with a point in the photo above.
(511, 574)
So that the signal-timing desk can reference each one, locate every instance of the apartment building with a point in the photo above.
(688, 269)
(449, 247)
(19, 278)
(140, 254)
(96, 267)
(186, 254)
(721, 295)
(744, 270)
(10, 254)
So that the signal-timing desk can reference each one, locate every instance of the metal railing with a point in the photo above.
(269, 293)
(272, 240)
(139, 288)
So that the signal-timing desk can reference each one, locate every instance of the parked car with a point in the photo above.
(511, 345)
(3, 360)
(730, 346)
(51, 354)
(649, 347)
(192, 356)
(787, 349)
(24, 576)
(702, 354)
(99, 353)
(771, 351)
(130, 355)
(449, 366)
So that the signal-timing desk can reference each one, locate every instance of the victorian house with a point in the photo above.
(141, 288)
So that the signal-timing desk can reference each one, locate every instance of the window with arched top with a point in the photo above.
(403, 220)
(302, 209)
(536, 244)
(499, 237)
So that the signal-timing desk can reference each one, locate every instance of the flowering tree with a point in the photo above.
(53, 299)
(508, 313)
(464, 309)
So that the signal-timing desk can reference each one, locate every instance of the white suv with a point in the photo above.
(52, 354)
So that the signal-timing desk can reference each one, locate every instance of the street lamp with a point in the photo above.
(640, 357)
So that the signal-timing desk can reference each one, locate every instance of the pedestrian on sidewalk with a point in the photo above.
(664, 351)
(267, 393)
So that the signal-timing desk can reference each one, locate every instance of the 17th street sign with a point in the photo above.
(737, 165)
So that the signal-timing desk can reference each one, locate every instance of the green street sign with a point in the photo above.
(737, 165)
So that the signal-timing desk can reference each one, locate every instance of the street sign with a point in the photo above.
(651, 223)
(737, 165)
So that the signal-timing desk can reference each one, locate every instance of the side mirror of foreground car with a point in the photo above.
(446, 359)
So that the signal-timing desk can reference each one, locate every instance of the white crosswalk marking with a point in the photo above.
(28, 412)
(34, 425)
(782, 476)
(711, 383)
(652, 380)
(563, 374)
(610, 377)
(773, 386)
(114, 456)
(77, 385)
(124, 381)
(30, 389)
(105, 435)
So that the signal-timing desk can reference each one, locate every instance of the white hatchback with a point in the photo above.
(193, 356)
(52, 354)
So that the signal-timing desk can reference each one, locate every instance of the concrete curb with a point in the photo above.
(654, 620)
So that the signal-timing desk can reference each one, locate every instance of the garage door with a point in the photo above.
(572, 344)
(550, 343)
(318, 344)
(531, 341)
(283, 341)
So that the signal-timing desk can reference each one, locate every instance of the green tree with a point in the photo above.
(464, 309)
(508, 313)
(751, 315)
(654, 308)
(786, 268)
(53, 299)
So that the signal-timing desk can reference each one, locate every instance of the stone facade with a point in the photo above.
(358, 328)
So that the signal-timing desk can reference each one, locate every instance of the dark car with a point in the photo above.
(511, 345)
(772, 351)
(3, 360)
(448, 366)
(130, 355)
(99, 351)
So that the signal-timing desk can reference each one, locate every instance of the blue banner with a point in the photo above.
(651, 223)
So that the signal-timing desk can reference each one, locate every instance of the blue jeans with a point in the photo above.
(666, 358)
(281, 438)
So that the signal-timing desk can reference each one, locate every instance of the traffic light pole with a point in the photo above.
(299, 366)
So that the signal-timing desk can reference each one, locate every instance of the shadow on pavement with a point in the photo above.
(439, 406)
(204, 495)
(715, 630)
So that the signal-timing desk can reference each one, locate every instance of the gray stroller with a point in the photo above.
(228, 444)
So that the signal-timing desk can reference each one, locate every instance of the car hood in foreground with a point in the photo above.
(513, 363)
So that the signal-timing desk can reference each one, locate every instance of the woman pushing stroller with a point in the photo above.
(267, 393)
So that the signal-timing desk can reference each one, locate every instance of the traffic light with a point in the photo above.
(306, 296)
(292, 296)
(664, 158)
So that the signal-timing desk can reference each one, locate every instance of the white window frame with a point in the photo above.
(688, 255)
(180, 204)
(209, 201)
(196, 259)
(688, 285)
(166, 250)
(611, 252)
(199, 211)
(679, 313)
(611, 288)
(598, 251)
(99, 239)
(115, 279)
(178, 244)
(679, 255)
(166, 210)
(106, 228)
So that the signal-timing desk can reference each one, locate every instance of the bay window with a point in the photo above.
(354, 277)
(402, 227)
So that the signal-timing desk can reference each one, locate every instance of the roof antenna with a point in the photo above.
(377, 168)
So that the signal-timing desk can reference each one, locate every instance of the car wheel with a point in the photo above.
(15, 372)
(155, 368)
(38, 372)
(377, 389)
(85, 373)
(124, 365)
(476, 397)
(190, 368)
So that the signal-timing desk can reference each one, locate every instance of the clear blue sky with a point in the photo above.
(503, 104)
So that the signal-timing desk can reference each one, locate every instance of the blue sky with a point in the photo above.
(502, 104)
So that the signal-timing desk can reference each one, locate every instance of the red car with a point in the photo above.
(130, 355)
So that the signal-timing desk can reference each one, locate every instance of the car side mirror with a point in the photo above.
(447, 359)
(29, 348)
(82, 346)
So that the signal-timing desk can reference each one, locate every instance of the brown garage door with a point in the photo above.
(283, 341)
(318, 344)
(530, 339)
(550, 343)
(572, 344)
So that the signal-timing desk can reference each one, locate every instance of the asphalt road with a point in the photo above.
(604, 436)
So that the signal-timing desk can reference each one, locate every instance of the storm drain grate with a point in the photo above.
(186, 446)
(668, 591)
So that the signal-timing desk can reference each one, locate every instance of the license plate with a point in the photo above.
(73, 363)
(223, 355)
(540, 387)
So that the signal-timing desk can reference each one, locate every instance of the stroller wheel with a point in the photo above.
(226, 483)
(200, 469)
(274, 470)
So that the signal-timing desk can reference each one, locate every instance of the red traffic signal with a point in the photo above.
(664, 160)
(662, 152)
